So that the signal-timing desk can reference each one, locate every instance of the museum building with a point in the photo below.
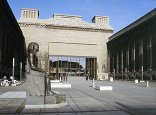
(12, 44)
(132, 51)
(67, 44)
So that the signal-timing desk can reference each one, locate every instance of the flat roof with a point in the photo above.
(134, 24)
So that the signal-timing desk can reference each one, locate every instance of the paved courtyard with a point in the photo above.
(126, 98)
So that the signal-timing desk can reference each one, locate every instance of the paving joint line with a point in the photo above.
(73, 101)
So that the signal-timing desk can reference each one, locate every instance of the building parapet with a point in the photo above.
(104, 20)
(51, 26)
(67, 16)
(30, 17)
(29, 13)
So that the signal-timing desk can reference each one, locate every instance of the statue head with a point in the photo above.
(33, 47)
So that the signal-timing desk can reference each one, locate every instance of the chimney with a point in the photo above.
(29, 13)
(103, 20)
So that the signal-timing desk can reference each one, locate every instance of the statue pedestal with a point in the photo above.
(35, 88)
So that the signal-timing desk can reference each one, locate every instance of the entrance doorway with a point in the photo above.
(73, 66)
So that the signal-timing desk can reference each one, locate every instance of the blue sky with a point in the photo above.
(121, 12)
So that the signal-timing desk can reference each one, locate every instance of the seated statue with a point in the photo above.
(33, 48)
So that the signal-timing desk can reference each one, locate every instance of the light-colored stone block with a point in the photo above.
(101, 79)
(55, 81)
(13, 85)
(60, 85)
(142, 81)
(7, 84)
(14, 94)
(101, 88)
(136, 81)
(45, 106)
(147, 83)
(111, 79)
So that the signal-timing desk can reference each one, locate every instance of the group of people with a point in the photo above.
(63, 77)
(87, 76)
(8, 81)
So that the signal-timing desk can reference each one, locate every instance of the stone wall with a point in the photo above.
(45, 31)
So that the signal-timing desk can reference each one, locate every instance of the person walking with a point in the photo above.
(87, 76)
(66, 76)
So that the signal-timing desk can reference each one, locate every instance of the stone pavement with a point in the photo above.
(12, 100)
(126, 98)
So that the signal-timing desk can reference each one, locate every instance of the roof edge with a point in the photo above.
(134, 24)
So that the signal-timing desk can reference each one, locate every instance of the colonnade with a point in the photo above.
(12, 43)
(132, 55)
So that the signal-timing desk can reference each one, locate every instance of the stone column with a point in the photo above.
(108, 61)
(128, 59)
(95, 68)
(122, 61)
(142, 52)
(150, 51)
(134, 57)
(90, 67)
(22, 14)
(117, 62)
(20, 71)
(142, 65)
(113, 63)
(13, 68)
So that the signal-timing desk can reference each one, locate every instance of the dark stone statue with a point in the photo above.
(33, 48)
(37, 84)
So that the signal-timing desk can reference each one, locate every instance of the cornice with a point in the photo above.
(63, 27)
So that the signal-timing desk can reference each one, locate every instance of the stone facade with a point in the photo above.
(68, 29)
